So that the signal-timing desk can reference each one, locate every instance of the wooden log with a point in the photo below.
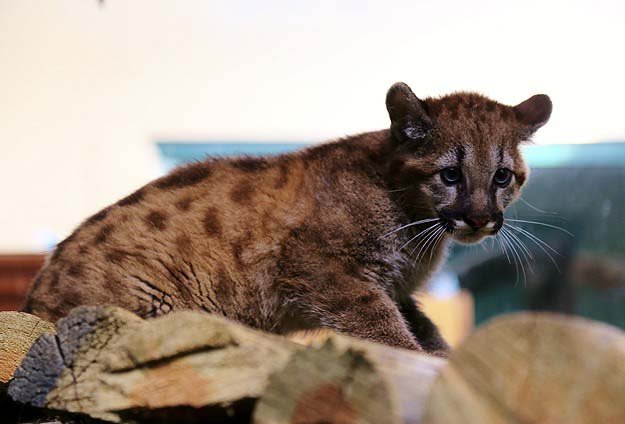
(60, 370)
(109, 364)
(349, 381)
(210, 363)
(189, 366)
(533, 368)
(18, 332)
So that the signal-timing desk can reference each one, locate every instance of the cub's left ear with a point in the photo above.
(534, 112)
(409, 118)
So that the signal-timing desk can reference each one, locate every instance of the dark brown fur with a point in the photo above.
(135, 197)
(184, 204)
(302, 240)
(156, 220)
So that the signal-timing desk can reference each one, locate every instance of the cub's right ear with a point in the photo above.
(409, 119)
(534, 112)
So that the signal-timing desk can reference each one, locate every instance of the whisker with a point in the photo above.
(425, 238)
(502, 247)
(492, 243)
(538, 242)
(506, 243)
(410, 225)
(522, 245)
(522, 258)
(518, 262)
(440, 237)
(528, 204)
(533, 236)
(427, 242)
(527, 254)
(429, 245)
(419, 234)
(543, 224)
(397, 189)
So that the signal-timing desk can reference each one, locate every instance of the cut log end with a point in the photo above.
(53, 373)
(534, 368)
(18, 332)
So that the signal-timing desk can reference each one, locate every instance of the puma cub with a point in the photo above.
(338, 235)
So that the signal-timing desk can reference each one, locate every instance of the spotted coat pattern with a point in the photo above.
(296, 241)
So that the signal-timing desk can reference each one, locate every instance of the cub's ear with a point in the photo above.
(534, 112)
(409, 119)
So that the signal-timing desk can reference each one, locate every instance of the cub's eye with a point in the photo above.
(451, 175)
(502, 177)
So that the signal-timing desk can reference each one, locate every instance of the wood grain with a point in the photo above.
(534, 368)
(18, 332)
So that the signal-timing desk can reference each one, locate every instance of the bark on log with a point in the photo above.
(18, 332)
(533, 368)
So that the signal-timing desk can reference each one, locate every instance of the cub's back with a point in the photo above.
(192, 239)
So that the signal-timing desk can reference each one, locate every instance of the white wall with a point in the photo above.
(86, 89)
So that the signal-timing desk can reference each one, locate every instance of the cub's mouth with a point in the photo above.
(467, 231)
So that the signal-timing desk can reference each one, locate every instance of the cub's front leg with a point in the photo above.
(424, 330)
(359, 309)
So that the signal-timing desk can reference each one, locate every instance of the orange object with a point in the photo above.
(453, 315)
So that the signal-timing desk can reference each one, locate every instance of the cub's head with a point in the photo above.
(457, 158)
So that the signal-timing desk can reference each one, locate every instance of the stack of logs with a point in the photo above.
(106, 364)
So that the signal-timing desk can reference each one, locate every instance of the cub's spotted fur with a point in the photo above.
(338, 235)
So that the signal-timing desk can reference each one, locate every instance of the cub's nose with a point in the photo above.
(477, 221)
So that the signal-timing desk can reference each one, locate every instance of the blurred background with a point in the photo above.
(99, 97)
